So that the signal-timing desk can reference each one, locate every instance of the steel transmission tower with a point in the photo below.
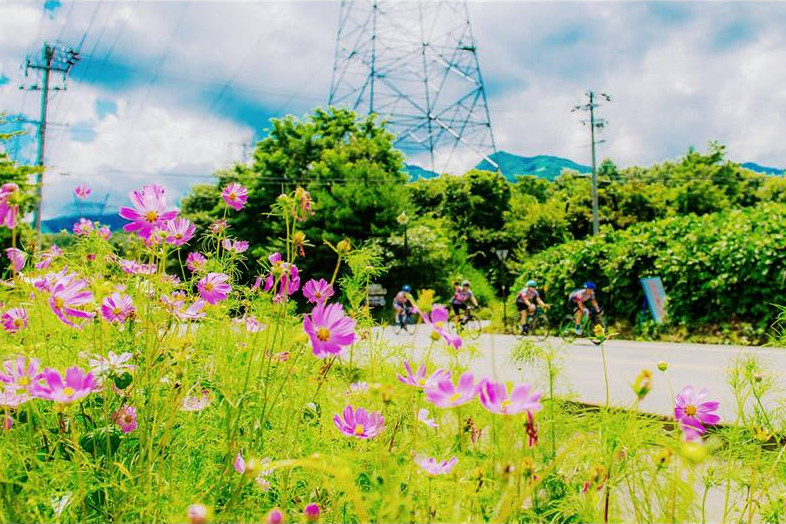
(416, 65)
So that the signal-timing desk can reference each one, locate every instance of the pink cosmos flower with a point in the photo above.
(179, 231)
(434, 467)
(150, 212)
(82, 191)
(76, 385)
(132, 267)
(197, 402)
(420, 379)
(214, 287)
(197, 514)
(125, 417)
(445, 395)
(235, 246)
(317, 291)
(311, 513)
(118, 307)
(423, 416)
(283, 276)
(46, 258)
(250, 323)
(235, 196)
(112, 363)
(358, 388)
(359, 423)
(692, 411)
(12, 399)
(17, 258)
(8, 212)
(219, 226)
(21, 375)
(15, 319)
(495, 398)
(105, 232)
(196, 262)
(68, 293)
(83, 228)
(438, 320)
(192, 312)
(259, 469)
(329, 329)
(275, 516)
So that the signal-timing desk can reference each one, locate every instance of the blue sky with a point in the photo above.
(171, 91)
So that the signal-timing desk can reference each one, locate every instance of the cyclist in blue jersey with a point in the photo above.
(580, 298)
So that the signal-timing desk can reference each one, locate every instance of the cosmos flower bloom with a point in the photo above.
(150, 210)
(423, 416)
(82, 191)
(259, 469)
(275, 516)
(214, 287)
(434, 467)
(15, 319)
(196, 262)
(283, 276)
(105, 232)
(420, 378)
(235, 246)
(692, 411)
(76, 385)
(329, 329)
(192, 312)
(10, 398)
(46, 258)
(132, 267)
(68, 293)
(495, 398)
(197, 514)
(17, 258)
(112, 363)
(358, 388)
(20, 375)
(219, 226)
(9, 212)
(250, 323)
(235, 196)
(444, 394)
(359, 423)
(305, 201)
(125, 417)
(311, 513)
(179, 231)
(83, 228)
(118, 307)
(317, 291)
(438, 320)
(196, 402)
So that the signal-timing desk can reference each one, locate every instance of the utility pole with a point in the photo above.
(58, 59)
(599, 124)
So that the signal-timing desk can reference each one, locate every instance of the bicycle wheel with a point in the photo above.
(539, 327)
(567, 330)
(471, 328)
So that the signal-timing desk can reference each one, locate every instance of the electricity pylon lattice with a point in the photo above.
(416, 65)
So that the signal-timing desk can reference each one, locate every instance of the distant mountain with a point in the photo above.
(417, 172)
(544, 166)
(753, 166)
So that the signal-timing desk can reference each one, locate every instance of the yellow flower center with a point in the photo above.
(24, 381)
(151, 216)
(690, 410)
(116, 311)
(209, 286)
(232, 196)
(127, 419)
(422, 382)
(359, 429)
(59, 302)
(439, 324)
(504, 406)
(455, 396)
(69, 392)
(323, 334)
(17, 322)
(178, 236)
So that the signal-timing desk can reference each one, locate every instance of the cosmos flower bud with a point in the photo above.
(197, 514)
(275, 516)
(344, 247)
(663, 365)
(311, 513)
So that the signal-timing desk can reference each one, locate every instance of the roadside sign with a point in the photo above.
(656, 297)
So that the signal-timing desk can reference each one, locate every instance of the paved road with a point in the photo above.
(700, 365)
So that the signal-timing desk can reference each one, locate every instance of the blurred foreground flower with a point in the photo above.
(197, 514)
(643, 384)
(446, 395)
(438, 320)
(434, 467)
(359, 423)
(196, 403)
(17, 258)
(420, 378)
(495, 398)
(311, 513)
(423, 416)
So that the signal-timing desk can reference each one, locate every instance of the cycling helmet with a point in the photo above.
(589, 284)
(532, 283)
(406, 288)
(465, 283)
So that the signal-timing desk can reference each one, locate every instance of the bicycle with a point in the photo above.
(588, 322)
(469, 325)
(539, 326)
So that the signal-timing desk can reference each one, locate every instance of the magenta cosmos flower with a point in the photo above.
(68, 293)
(76, 385)
(692, 411)
(235, 196)
(434, 467)
(196, 262)
(125, 417)
(150, 212)
(179, 231)
(15, 319)
(284, 277)
(82, 191)
(235, 246)
(359, 423)
(83, 228)
(214, 287)
(421, 379)
(329, 329)
(311, 513)
(105, 232)
(438, 320)
(17, 258)
(112, 363)
(46, 258)
(118, 307)
(425, 418)
(445, 395)
(317, 291)
(9, 212)
(495, 398)
(20, 375)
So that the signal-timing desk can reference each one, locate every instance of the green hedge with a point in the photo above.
(726, 266)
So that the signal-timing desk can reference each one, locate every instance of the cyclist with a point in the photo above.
(580, 297)
(400, 302)
(461, 296)
(526, 301)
